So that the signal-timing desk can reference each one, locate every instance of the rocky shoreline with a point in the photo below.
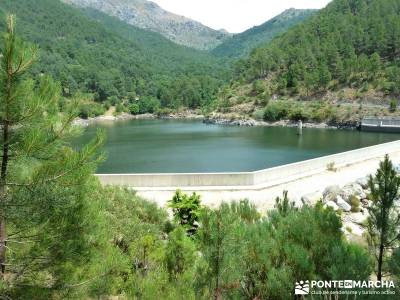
(215, 120)
(126, 116)
(282, 123)
(252, 122)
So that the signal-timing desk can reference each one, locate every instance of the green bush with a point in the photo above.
(148, 105)
(393, 105)
(263, 99)
(258, 114)
(107, 105)
(90, 110)
(298, 113)
(134, 108)
(324, 113)
(164, 111)
(276, 111)
(266, 255)
(186, 210)
(355, 204)
(120, 108)
(258, 87)
(113, 100)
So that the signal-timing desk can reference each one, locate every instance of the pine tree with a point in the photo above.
(186, 210)
(43, 182)
(384, 220)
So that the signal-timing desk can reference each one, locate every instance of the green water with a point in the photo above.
(150, 146)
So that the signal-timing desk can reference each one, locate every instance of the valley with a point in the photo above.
(238, 79)
(145, 155)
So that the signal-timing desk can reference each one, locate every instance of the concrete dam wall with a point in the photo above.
(237, 180)
(383, 124)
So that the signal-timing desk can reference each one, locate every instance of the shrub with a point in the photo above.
(164, 111)
(258, 87)
(134, 108)
(331, 167)
(90, 110)
(113, 100)
(298, 113)
(393, 105)
(186, 210)
(107, 105)
(355, 203)
(179, 254)
(324, 113)
(275, 111)
(120, 108)
(263, 99)
(149, 105)
(258, 114)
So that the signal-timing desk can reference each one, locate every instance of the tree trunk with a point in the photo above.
(380, 262)
(384, 216)
(3, 244)
(3, 232)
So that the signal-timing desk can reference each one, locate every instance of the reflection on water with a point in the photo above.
(149, 146)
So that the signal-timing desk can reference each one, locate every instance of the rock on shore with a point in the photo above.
(352, 200)
(120, 117)
(218, 120)
(187, 115)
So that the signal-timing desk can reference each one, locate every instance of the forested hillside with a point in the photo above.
(350, 43)
(115, 62)
(63, 235)
(241, 44)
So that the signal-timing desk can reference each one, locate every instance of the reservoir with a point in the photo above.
(183, 146)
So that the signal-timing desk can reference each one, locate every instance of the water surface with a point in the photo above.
(163, 146)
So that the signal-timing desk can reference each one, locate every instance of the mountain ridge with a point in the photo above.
(241, 44)
(150, 16)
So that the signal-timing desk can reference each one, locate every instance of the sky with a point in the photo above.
(234, 15)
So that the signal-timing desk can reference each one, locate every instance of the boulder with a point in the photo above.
(343, 204)
(331, 192)
(396, 167)
(353, 229)
(332, 204)
(352, 189)
(365, 203)
(356, 218)
(363, 182)
(312, 198)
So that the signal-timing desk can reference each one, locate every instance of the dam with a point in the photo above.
(263, 186)
(381, 124)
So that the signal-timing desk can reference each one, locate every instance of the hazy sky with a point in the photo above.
(234, 15)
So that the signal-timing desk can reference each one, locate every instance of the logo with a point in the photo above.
(302, 288)
(348, 287)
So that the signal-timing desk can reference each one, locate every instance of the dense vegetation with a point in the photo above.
(241, 44)
(64, 236)
(350, 43)
(89, 52)
(133, 250)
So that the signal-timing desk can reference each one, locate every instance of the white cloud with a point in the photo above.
(234, 15)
